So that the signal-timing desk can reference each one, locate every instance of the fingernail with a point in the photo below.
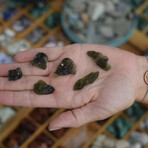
(53, 129)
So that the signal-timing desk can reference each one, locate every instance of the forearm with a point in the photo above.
(142, 67)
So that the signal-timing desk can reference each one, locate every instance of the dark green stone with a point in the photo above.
(99, 59)
(135, 112)
(53, 20)
(41, 88)
(15, 74)
(90, 78)
(39, 9)
(40, 60)
(66, 67)
(120, 127)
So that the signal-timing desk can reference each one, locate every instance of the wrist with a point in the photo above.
(142, 67)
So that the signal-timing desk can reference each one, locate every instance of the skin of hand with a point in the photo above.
(113, 91)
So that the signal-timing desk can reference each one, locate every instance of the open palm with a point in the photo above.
(113, 91)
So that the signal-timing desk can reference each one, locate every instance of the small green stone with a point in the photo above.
(53, 20)
(66, 67)
(99, 59)
(112, 130)
(41, 88)
(40, 60)
(15, 74)
(89, 79)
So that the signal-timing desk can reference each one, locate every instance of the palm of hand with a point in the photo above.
(112, 92)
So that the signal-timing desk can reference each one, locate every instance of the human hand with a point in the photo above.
(112, 92)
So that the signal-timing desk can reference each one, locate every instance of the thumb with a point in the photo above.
(74, 118)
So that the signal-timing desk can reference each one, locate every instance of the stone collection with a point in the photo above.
(20, 45)
(138, 139)
(5, 58)
(36, 35)
(21, 24)
(103, 141)
(15, 3)
(144, 124)
(5, 114)
(99, 21)
(40, 115)
(53, 41)
(24, 130)
(6, 37)
(142, 24)
(39, 9)
(42, 141)
(53, 20)
(8, 13)
(135, 112)
(120, 127)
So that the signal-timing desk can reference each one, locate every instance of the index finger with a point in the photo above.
(53, 53)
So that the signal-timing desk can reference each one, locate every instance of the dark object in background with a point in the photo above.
(53, 20)
(40, 60)
(146, 53)
(15, 74)
(41, 141)
(66, 67)
(20, 134)
(41, 88)
(14, 3)
(40, 115)
(89, 79)
(59, 133)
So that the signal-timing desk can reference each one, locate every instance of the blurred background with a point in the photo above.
(46, 23)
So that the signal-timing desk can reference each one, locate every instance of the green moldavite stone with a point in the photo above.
(86, 80)
(41, 88)
(15, 74)
(40, 60)
(66, 67)
(100, 59)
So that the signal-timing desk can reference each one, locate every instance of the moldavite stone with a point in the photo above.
(100, 59)
(66, 67)
(40, 60)
(15, 74)
(90, 78)
(41, 88)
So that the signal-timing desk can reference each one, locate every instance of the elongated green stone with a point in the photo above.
(15, 74)
(99, 59)
(41, 88)
(90, 78)
(66, 67)
(40, 60)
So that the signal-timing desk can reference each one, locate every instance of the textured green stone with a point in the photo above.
(89, 79)
(66, 67)
(135, 112)
(15, 74)
(41, 88)
(120, 127)
(99, 59)
(40, 60)
(39, 9)
(53, 20)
